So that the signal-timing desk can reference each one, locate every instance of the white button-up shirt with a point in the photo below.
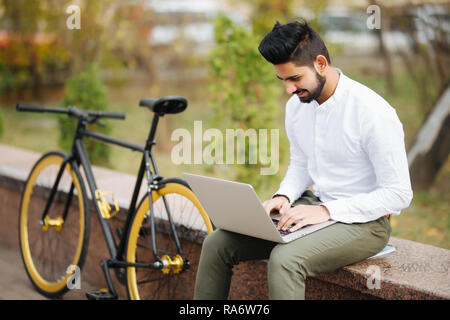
(351, 147)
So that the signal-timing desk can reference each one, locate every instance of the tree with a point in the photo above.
(266, 13)
(427, 55)
(426, 60)
(85, 91)
(431, 145)
(41, 49)
(245, 91)
(387, 61)
(1, 124)
(29, 57)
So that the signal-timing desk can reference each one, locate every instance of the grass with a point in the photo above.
(426, 220)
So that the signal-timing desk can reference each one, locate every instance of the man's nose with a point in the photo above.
(290, 87)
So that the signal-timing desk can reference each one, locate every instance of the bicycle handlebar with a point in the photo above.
(36, 108)
(71, 111)
(107, 114)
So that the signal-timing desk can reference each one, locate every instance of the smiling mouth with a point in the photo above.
(301, 93)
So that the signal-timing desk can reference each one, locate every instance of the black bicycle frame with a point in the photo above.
(79, 157)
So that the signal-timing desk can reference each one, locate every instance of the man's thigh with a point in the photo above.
(307, 198)
(238, 247)
(333, 247)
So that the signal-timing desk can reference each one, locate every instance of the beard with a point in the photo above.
(315, 93)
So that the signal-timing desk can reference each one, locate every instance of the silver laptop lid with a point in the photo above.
(233, 206)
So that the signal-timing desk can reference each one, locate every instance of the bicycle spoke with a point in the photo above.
(153, 284)
(52, 249)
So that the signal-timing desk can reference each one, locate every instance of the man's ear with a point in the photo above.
(320, 64)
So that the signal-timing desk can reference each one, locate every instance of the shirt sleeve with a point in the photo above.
(382, 138)
(297, 178)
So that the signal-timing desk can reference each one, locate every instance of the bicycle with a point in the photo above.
(54, 216)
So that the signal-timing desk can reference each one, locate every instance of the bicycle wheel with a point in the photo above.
(192, 225)
(52, 249)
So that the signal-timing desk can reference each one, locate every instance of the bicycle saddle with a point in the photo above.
(168, 104)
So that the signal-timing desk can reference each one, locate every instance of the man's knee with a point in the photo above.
(286, 274)
(283, 260)
(218, 244)
(213, 240)
(218, 238)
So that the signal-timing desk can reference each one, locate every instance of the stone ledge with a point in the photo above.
(413, 271)
(16, 163)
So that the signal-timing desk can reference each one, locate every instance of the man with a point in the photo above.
(345, 140)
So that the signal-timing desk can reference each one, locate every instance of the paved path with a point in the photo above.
(15, 285)
(16, 163)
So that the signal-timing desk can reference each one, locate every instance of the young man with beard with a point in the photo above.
(345, 140)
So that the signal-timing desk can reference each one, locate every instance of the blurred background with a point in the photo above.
(206, 51)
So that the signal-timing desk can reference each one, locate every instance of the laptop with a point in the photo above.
(235, 206)
(384, 252)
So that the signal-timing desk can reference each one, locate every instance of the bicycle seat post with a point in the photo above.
(151, 137)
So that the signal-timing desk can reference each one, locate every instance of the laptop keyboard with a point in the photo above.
(282, 232)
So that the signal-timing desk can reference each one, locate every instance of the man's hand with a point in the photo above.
(304, 215)
(278, 203)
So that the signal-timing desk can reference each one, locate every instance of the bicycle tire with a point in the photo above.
(190, 230)
(35, 243)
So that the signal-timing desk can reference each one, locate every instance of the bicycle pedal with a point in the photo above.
(100, 295)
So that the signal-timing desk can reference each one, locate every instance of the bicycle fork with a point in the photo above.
(178, 262)
(58, 222)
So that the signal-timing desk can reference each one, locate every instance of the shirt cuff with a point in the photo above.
(281, 195)
(290, 195)
(338, 210)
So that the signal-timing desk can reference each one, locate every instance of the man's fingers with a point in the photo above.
(276, 204)
(289, 223)
(302, 223)
(297, 226)
(285, 221)
(284, 217)
(285, 207)
(268, 206)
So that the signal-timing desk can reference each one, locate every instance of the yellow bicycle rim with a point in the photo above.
(43, 284)
(137, 222)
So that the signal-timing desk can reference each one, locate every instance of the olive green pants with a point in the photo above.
(289, 264)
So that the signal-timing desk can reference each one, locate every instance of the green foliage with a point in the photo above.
(37, 48)
(1, 124)
(27, 62)
(266, 13)
(85, 91)
(245, 91)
